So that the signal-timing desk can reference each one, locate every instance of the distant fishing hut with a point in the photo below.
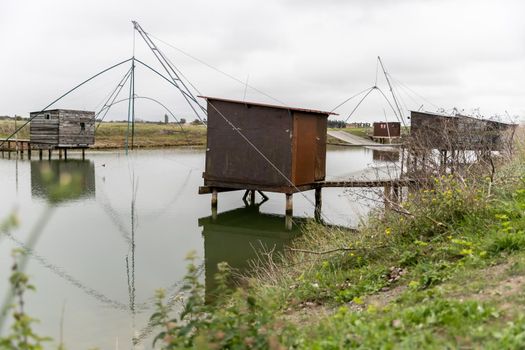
(62, 129)
(455, 134)
(385, 132)
(261, 147)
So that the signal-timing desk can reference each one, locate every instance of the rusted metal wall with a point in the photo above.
(320, 160)
(390, 129)
(229, 158)
(292, 140)
(434, 131)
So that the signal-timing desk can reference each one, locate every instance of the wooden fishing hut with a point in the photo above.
(385, 132)
(62, 129)
(262, 147)
(452, 134)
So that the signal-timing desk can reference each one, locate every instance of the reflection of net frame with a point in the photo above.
(441, 143)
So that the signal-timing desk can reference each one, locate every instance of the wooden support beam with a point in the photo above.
(318, 203)
(265, 197)
(83, 154)
(252, 197)
(49, 151)
(387, 194)
(214, 200)
(395, 193)
(65, 153)
(40, 154)
(289, 211)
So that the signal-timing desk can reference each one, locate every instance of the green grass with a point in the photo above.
(113, 135)
(7, 127)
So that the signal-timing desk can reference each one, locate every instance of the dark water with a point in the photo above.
(103, 234)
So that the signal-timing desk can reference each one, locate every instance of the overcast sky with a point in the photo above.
(306, 53)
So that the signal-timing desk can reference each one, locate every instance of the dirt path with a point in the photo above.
(359, 141)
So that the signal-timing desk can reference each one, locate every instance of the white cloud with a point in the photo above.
(306, 53)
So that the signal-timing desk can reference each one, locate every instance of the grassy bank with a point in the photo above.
(446, 269)
(113, 135)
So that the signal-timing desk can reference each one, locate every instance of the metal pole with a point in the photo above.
(391, 90)
(129, 107)
(133, 102)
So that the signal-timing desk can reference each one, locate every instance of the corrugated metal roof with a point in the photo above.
(268, 105)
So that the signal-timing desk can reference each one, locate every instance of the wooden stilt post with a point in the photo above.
(40, 154)
(49, 154)
(318, 203)
(83, 154)
(214, 200)
(60, 153)
(29, 151)
(387, 196)
(65, 153)
(289, 211)
(252, 197)
(395, 194)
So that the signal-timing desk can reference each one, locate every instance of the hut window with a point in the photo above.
(82, 126)
(47, 116)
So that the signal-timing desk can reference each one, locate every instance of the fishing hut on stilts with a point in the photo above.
(62, 129)
(261, 147)
(441, 143)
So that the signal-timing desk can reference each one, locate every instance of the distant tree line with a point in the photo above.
(6, 117)
(336, 124)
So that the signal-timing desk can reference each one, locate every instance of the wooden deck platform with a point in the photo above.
(391, 188)
(21, 146)
(223, 187)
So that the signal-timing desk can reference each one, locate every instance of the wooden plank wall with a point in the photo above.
(44, 129)
(70, 131)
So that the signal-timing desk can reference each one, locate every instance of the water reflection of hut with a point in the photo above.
(58, 181)
(385, 155)
(238, 236)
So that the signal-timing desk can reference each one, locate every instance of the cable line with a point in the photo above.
(64, 95)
